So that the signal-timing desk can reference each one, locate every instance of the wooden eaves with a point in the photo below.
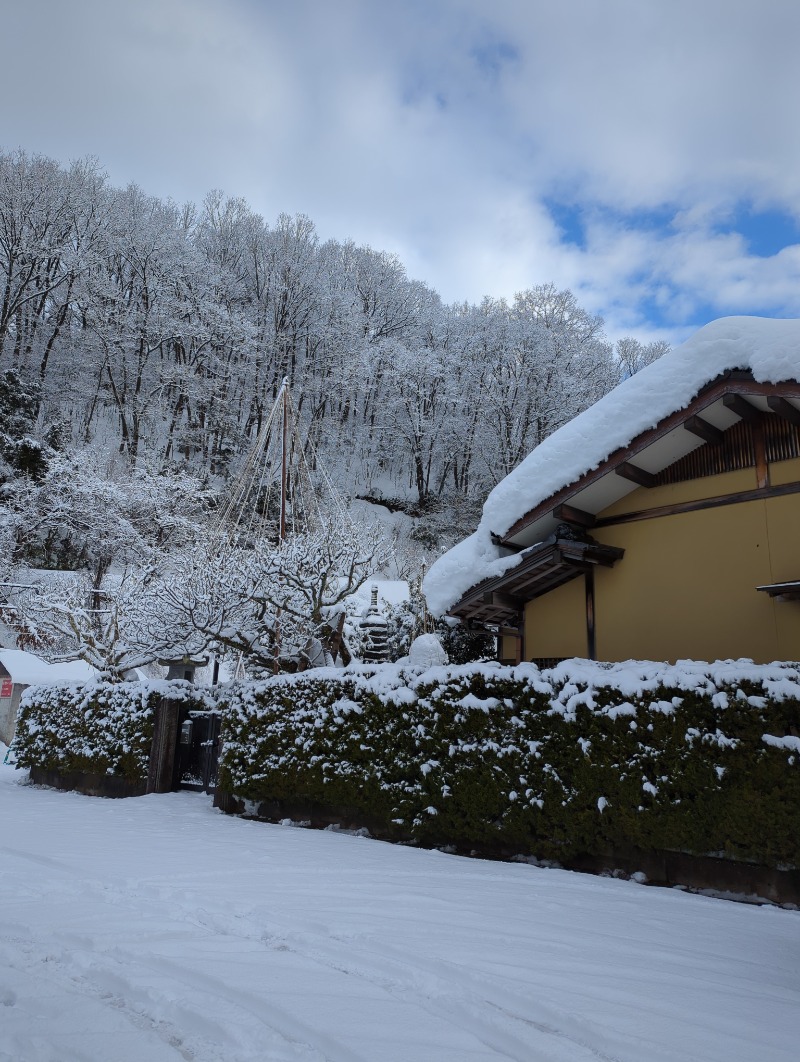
(501, 599)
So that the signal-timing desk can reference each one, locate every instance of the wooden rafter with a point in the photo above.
(784, 408)
(739, 405)
(570, 515)
(637, 475)
(703, 429)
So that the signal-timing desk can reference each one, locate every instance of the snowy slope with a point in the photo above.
(769, 348)
(156, 929)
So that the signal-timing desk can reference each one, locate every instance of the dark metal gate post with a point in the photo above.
(161, 772)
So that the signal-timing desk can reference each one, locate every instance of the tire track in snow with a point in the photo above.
(74, 962)
(408, 980)
(440, 988)
(172, 1001)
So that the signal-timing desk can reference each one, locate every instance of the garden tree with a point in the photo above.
(271, 603)
(88, 514)
(121, 629)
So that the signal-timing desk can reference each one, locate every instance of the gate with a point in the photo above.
(198, 752)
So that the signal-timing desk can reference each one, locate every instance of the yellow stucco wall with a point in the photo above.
(508, 649)
(686, 588)
(555, 624)
(785, 471)
(686, 585)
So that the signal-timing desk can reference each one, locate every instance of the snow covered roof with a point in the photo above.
(768, 349)
(27, 669)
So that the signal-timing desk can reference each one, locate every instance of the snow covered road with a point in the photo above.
(157, 929)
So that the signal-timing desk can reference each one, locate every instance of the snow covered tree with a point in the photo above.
(20, 451)
(274, 604)
(58, 521)
(116, 630)
(633, 355)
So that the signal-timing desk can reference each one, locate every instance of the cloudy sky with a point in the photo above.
(645, 153)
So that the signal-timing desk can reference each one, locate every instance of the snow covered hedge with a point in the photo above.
(583, 758)
(99, 728)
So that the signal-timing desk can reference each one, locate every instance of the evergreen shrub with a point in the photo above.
(581, 758)
(98, 728)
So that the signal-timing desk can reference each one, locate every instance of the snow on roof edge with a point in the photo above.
(768, 348)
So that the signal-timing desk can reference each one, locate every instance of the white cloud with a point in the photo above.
(440, 130)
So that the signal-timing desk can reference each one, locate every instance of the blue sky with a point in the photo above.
(643, 154)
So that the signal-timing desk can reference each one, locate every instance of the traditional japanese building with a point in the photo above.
(662, 523)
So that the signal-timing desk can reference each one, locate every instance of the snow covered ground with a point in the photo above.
(157, 929)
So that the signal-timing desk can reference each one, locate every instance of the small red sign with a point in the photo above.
(5, 688)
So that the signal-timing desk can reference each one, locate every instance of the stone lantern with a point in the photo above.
(183, 667)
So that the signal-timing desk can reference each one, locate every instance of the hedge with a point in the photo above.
(98, 728)
(582, 758)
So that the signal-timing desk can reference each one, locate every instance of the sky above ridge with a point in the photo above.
(645, 155)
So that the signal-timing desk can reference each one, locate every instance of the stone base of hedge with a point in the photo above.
(664, 868)
(100, 785)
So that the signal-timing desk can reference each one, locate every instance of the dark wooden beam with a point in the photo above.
(636, 475)
(591, 631)
(784, 408)
(760, 453)
(780, 490)
(500, 600)
(570, 515)
(702, 429)
(739, 405)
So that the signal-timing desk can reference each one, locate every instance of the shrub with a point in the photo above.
(582, 758)
(99, 728)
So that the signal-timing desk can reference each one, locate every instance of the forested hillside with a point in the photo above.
(140, 339)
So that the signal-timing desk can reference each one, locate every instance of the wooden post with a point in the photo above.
(591, 633)
(163, 751)
(282, 524)
(284, 457)
(760, 451)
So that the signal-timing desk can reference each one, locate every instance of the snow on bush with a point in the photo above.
(98, 728)
(585, 757)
